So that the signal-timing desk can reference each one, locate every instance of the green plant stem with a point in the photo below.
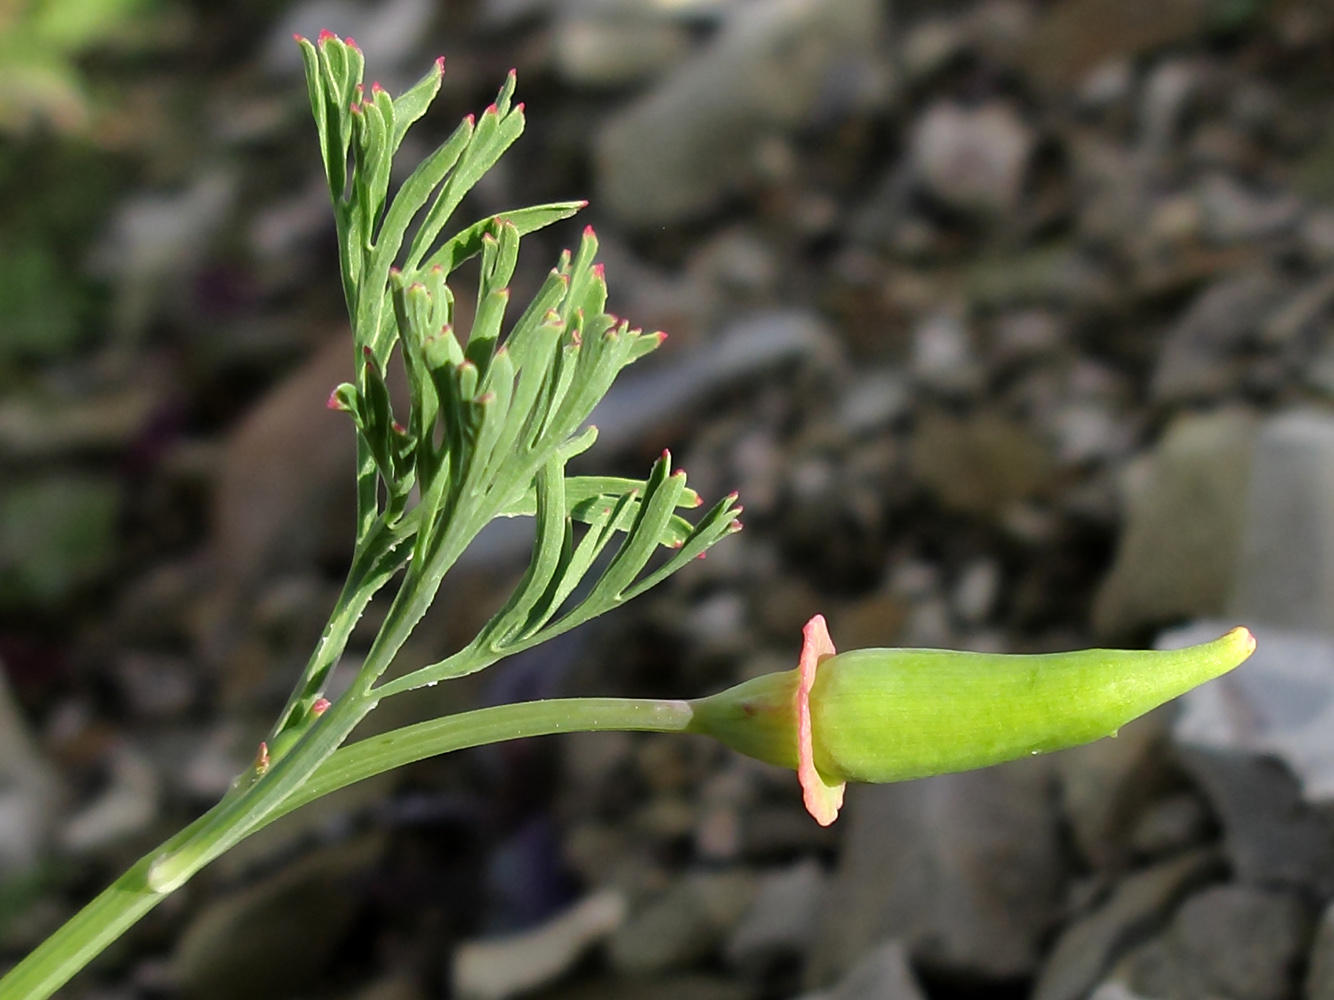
(131, 896)
(480, 727)
(245, 812)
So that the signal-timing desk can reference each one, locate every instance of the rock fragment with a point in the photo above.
(680, 150)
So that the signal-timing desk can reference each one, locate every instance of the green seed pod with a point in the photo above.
(890, 714)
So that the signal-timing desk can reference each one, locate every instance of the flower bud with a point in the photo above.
(883, 715)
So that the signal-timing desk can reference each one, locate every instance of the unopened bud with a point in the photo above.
(880, 715)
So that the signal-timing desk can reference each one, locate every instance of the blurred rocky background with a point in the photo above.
(1012, 322)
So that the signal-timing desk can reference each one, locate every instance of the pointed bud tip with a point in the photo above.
(375, 87)
(320, 706)
(600, 272)
(440, 65)
(588, 233)
(298, 38)
(351, 43)
(326, 35)
(1243, 637)
(518, 108)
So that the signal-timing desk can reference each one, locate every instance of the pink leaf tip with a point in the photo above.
(326, 35)
(298, 38)
(440, 65)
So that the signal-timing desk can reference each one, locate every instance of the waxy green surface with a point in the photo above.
(883, 715)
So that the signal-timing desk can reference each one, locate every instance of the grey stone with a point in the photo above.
(1105, 785)
(874, 400)
(682, 987)
(272, 939)
(31, 790)
(1247, 942)
(942, 354)
(499, 968)
(1183, 526)
(883, 974)
(127, 805)
(976, 591)
(1115, 990)
(1287, 547)
(1280, 703)
(678, 151)
(964, 868)
(979, 464)
(689, 921)
(1171, 825)
(156, 240)
(1271, 836)
(609, 51)
(1139, 903)
(1077, 36)
(781, 922)
(1198, 358)
(748, 348)
(1233, 941)
(972, 159)
(1320, 966)
(389, 32)
(1235, 214)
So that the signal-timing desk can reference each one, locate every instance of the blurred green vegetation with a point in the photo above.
(41, 42)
